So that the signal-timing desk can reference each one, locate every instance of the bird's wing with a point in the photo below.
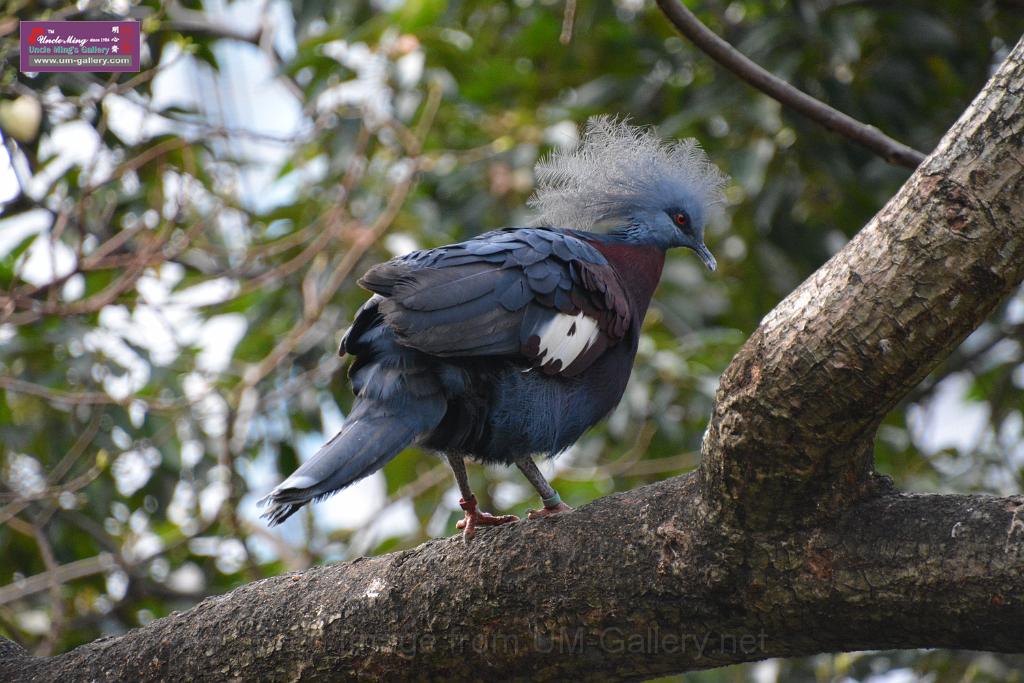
(545, 295)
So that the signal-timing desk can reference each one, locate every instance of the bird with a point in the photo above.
(510, 345)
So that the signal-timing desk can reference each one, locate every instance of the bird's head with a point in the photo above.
(652, 192)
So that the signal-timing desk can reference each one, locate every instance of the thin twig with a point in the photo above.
(710, 43)
(135, 269)
(302, 258)
(20, 502)
(60, 396)
(58, 615)
(135, 163)
(568, 17)
(623, 464)
(81, 481)
(672, 463)
(361, 244)
(425, 481)
(64, 573)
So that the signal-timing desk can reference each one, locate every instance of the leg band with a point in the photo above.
(554, 501)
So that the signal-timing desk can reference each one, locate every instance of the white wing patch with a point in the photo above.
(566, 337)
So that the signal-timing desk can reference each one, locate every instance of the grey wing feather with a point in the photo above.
(496, 294)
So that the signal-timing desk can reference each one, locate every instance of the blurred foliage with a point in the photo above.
(179, 249)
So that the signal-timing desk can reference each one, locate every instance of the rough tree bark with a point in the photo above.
(782, 543)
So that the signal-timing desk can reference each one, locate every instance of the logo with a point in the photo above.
(80, 46)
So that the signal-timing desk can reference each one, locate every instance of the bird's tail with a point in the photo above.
(371, 436)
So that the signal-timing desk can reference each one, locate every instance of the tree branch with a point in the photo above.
(798, 406)
(64, 573)
(573, 594)
(687, 23)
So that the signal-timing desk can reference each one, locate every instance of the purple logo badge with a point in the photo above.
(80, 46)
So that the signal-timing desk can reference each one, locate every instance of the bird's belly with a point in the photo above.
(524, 413)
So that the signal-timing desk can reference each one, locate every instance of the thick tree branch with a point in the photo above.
(687, 23)
(778, 546)
(798, 406)
(634, 585)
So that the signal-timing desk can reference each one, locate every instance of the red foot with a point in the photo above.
(546, 511)
(475, 518)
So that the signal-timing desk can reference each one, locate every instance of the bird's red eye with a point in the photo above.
(680, 219)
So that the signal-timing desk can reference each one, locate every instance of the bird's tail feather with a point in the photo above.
(368, 441)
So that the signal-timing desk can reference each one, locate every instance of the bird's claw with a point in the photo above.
(547, 512)
(475, 518)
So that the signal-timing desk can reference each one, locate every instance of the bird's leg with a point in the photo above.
(552, 501)
(474, 517)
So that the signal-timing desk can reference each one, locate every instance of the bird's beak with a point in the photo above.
(706, 256)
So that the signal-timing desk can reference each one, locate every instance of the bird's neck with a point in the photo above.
(637, 265)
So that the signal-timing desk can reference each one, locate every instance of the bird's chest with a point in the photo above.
(638, 267)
